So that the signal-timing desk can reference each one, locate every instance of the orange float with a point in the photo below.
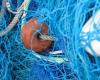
(31, 38)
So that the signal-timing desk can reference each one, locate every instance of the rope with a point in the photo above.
(15, 19)
(46, 37)
(18, 10)
(11, 25)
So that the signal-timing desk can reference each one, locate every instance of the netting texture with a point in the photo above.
(65, 20)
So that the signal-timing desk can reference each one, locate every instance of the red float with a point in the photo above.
(31, 38)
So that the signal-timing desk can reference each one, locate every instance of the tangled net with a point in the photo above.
(65, 19)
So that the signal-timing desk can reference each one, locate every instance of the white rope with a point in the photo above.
(14, 12)
(15, 19)
(11, 25)
(3, 8)
(56, 52)
(46, 37)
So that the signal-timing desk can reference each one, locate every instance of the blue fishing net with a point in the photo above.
(65, 19)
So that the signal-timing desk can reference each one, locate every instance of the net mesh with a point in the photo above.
(65, 19)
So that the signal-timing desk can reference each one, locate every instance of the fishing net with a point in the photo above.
(65, 20)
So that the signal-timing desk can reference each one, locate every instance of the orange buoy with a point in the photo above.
(31, 38)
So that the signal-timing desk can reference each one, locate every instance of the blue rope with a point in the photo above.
(65, 19)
